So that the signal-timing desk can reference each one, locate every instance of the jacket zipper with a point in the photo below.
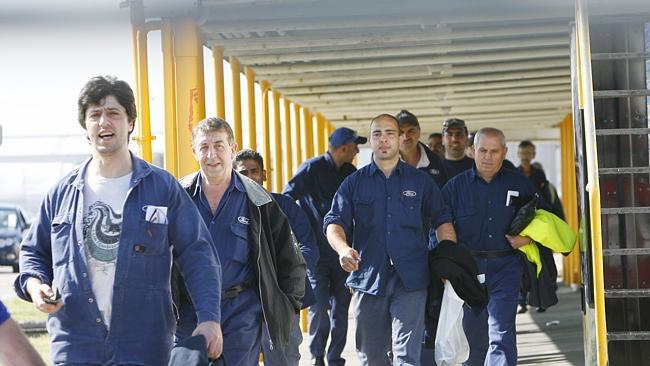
(259, 275)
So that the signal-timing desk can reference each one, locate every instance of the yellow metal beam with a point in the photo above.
(252, 128)
(220, 94)
(171, 142)
(277, 144)
(190, 93)
(287, 160)
(266, 133)
(308, 140)
(143, 137)
(235, 68)
(320, 133)
(593, 184)
(571, 263)
(297, 137)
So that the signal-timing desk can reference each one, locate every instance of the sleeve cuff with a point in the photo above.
(204, 316)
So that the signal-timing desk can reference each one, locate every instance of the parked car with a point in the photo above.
(13, 226)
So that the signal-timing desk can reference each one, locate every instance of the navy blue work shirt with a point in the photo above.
(306, 239)
(314, 186)
(387, 216)
(482, 211)
(455, 167)
(4, 314)
(229, 230)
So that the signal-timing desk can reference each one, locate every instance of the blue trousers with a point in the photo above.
(491, 332)
(285, 356)
(330, 312)
(393, 321)
(241, 326)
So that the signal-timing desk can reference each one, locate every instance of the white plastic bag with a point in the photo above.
(451, 343)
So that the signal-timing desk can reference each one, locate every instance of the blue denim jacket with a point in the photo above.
(142, 321)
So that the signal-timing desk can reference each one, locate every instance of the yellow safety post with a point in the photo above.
(171, 142)
(571, 262)
(190, 93)
(144, 137)
(235, 68)
(217, 56)
(593, 185)
(252, 128)
(277, 144)
(287, 160)
(320, 133)
(266, 133)
(297, 137)
(308, 141)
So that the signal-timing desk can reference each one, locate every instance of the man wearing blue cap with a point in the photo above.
(314, 186)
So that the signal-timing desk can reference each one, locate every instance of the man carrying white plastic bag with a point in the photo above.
(451, 347)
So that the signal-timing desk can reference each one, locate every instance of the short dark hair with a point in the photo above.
(249, 154)
(385, 115)
(98, 88)
(435, 134)
(406, 117)
(213, 124)
(526, 143)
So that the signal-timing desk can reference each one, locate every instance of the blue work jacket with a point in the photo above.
(482, 211)
(314, 186)
(142, 321)
(306, 240)
(386, 215)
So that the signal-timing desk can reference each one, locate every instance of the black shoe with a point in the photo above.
(522, 309)
(541, 310)
(317, 361)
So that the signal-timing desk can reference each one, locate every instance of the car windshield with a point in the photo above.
(8, 219)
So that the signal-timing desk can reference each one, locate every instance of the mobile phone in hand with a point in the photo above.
(54, 299)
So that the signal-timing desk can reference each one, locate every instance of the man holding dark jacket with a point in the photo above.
(263, 270)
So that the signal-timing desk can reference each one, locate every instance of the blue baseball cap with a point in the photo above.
(344, 135)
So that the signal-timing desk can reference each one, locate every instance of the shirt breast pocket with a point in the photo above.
(466, 216)
(60, 239)
(363, 211)
(240, 249)
(411, 208)
(153, 239)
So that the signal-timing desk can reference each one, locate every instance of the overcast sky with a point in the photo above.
(49, 52)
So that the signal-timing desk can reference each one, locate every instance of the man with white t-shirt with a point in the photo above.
(98, 256)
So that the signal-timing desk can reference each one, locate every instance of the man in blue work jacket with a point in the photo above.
(314, 186)
(263, 270)
(103, 241)
(383, 205)
(251, 164)
(482, 202)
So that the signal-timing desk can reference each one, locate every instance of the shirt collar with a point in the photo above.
(424, 159)
(235, 183)
(140, 170)
(474, 174)
(373, 168)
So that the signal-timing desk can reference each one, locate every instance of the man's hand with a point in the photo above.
(211, 330)
(39, 292)
(517, 241)
(349, 259)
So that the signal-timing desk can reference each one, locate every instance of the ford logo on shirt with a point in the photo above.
(434, 171)
(243, 220)
(409, 193)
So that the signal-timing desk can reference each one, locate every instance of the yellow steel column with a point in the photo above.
(220, 94)
(593, 184)
(252, 128)
(297, 137)
(235, 68)
(308, 141)
(190, 96)
(266, 134)
(287, 166)
(142, 90)
(571, 262)
(320, 133)
(171, 142)
(277, 144)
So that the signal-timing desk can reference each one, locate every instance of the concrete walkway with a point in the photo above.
(539, 341)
